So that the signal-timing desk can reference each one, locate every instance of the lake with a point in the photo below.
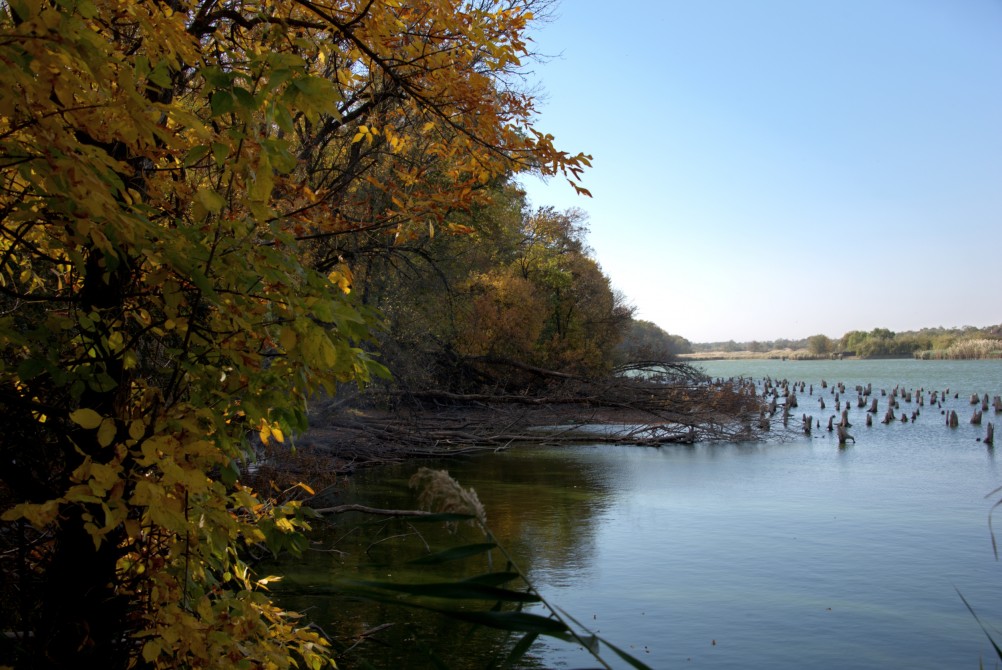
(785, 553)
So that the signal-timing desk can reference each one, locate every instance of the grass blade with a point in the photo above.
(454, 554)
(970, 609)
(464, 590)
(519, 650)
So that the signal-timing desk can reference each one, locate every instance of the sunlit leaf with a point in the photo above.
(86, 418)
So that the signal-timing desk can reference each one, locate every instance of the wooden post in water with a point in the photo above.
(990, 434)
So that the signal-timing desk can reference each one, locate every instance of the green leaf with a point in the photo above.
(212, 201)
(30, 368)
(219, 152)
(160, 75)
(244, 98)
(196, 154)
(221, 102)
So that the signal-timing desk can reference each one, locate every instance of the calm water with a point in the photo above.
(771, 555)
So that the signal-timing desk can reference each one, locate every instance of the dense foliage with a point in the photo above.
(188, 189)
(966, 342)
(522, 288)
(646, 341)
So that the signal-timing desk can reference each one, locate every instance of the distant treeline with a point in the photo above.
(966, 342)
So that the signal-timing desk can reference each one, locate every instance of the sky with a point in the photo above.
(783, 168)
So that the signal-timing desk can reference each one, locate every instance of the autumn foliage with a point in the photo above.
(187, 191)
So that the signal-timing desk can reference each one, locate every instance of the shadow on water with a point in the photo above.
(542, 509)
(765, 555)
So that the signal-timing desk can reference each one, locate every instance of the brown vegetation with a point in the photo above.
(647, 404)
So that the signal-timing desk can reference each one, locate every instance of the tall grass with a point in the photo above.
(968, 349)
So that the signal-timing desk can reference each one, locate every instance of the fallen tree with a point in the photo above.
(649, 403)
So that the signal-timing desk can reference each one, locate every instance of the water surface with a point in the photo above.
(777, 554)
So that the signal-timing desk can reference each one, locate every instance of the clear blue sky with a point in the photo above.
(782, 168)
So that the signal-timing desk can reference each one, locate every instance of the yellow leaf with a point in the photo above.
(151, 650)
(210, 200)
(137, 429)
(106, 433)
(86, 418)
(287, 338)
(38, 515)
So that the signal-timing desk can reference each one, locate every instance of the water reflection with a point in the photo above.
(778, 554)
(541, 507)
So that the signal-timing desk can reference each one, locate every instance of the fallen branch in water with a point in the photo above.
(341, 509)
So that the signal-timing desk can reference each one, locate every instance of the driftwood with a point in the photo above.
(647, 403)
(341, 509)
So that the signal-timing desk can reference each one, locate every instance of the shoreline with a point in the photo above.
(804, 355)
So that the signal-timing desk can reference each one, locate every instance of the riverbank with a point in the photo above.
(805, 355)
(775, 354)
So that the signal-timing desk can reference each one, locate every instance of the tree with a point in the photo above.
(819, 345)
(646, 341)
(185, 188)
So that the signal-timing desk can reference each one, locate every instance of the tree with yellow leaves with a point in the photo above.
(184, 185)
